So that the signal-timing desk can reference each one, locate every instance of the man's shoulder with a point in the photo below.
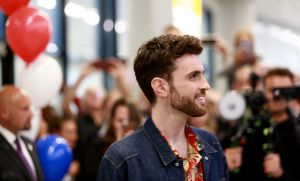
(126, 148)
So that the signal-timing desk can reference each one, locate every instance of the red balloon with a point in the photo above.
(9, 6)
(28, 32)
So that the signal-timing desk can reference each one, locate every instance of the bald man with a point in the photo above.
(18, 156)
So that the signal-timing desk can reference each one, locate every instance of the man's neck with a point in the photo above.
(171, 123)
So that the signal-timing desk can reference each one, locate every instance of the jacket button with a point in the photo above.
(176, 164)
(206, 157)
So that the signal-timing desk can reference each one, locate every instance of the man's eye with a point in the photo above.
(194, 76)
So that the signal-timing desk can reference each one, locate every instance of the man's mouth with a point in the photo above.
(201, 100)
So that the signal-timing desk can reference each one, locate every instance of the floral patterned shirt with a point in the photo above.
(192, 163)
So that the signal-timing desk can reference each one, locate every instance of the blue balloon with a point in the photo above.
(55, 156)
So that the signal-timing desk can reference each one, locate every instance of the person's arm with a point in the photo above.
(222, 47)
(118, 71)
(273, 162)
(273, 168)
(69, 92)
(74, 168)
(234, 157)
(272, 165)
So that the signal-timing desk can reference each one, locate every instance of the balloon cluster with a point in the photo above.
(28, 29)
(28, 32)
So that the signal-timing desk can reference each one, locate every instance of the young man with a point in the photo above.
(18, 156)
(171, 76)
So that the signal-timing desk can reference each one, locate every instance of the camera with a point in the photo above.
(287, 93)
(255, 100)
(233, 105)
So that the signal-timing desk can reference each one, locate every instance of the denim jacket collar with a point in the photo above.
(207, 152)
(164, 151)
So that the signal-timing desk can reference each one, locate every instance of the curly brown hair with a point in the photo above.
(156, 58)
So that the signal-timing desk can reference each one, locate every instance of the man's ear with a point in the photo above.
(3, 113)
(160, 87)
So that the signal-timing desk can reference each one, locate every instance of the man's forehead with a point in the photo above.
(278, 81)
(190, 59)
(18, 96)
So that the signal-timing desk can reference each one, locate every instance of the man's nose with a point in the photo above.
(205, 85)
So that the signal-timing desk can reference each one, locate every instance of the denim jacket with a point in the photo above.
(146, 156)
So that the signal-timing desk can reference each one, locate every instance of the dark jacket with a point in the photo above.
(286, 142)
(145, 155)
(88, 133)
(12, 167)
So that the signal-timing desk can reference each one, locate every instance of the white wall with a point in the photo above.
(278, 46)
(144, 20)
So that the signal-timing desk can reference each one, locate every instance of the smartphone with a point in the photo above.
(102, 64)
(209, 39)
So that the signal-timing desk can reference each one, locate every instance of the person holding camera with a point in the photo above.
(283, 163)
(269, 140)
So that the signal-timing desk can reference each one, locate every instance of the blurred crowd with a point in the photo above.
(91, 123)
(261, 144)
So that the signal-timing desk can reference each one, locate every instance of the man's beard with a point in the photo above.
(185, 104)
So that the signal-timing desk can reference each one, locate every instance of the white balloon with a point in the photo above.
(32, 133)
(42, 80)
